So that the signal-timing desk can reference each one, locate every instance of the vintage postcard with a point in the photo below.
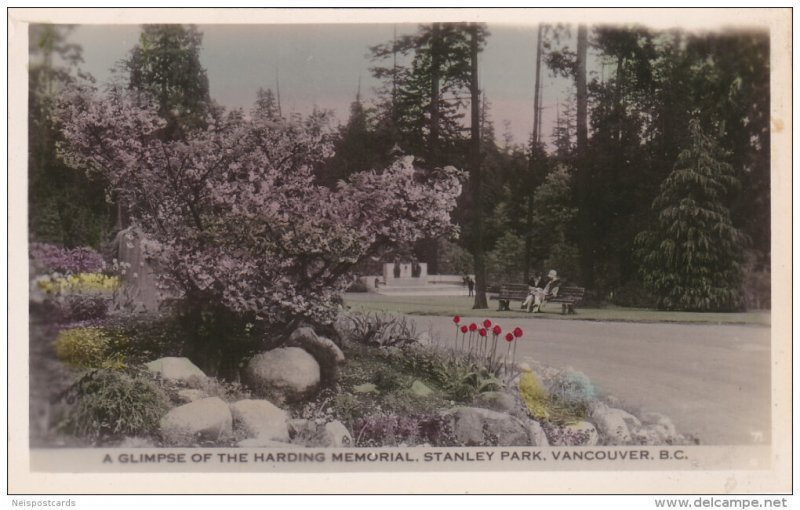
(400, 250)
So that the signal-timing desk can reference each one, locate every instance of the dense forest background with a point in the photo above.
(651, 189)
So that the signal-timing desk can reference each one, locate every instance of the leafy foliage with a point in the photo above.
(75, 297)
(149, 338)
(90, 347)
(380, 329)
(108, 404)
(691, 259)
(49, 258)
(461, 379)
(393, 430)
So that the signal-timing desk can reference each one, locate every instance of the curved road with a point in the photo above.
(713, 381)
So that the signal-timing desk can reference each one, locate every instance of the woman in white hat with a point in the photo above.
(550, 290)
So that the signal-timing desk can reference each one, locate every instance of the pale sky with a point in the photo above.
(321, 64)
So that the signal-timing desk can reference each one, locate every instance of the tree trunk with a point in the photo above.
(532, 180)
(475, 175)
(585, 231)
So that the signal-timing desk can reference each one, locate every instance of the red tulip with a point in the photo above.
(482, 332)
(473, 327)
(517, 332)
(464, 329)
(509, 337)
(456, 319)
(487, 323)
(497, 329)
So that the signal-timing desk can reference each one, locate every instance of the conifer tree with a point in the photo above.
(691, 257)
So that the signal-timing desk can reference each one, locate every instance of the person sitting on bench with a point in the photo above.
(534, 282)
(550, 290)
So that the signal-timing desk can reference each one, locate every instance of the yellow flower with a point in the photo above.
(80, 283)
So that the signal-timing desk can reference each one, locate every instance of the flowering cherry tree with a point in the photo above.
(234, 210)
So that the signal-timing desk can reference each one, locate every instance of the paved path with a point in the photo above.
(712, 381)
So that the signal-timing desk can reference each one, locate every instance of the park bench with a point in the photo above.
(569, 297)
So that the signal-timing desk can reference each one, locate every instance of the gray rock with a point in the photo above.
(365, 388)
(473, 426)
(536, 433)
(424, 339)
(287, 373)
(208, 419)
(190, 395)
(325, 351)
(180, 370)
(614, 425)
(336, 435)
(299, 427)
(652, 418)
(496, 401)
(327, 435)
(656, 429)
(419, 389)
(260, 419)
(581, 433)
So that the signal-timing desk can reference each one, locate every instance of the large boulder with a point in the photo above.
(260, 419)
(496, 401)
(614, 425)
(473, 426)
(336, 435)
(284, 374)
(177, 370)
(419, 389)
(208, 419)
(536, 433)
(656, 429)
(328, 354)
(321, 435)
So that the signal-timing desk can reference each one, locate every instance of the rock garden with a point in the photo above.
(103, 377)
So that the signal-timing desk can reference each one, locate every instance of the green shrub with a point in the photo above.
(89, 347)
(534, 395)
(149, 338)
(572, 390)
(108, 404)
(380, 329)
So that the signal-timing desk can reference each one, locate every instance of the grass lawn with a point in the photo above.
(460, 305)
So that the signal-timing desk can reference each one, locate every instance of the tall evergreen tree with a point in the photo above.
(165, 64)
(266, 104)
(64, 206)
(691, 258)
